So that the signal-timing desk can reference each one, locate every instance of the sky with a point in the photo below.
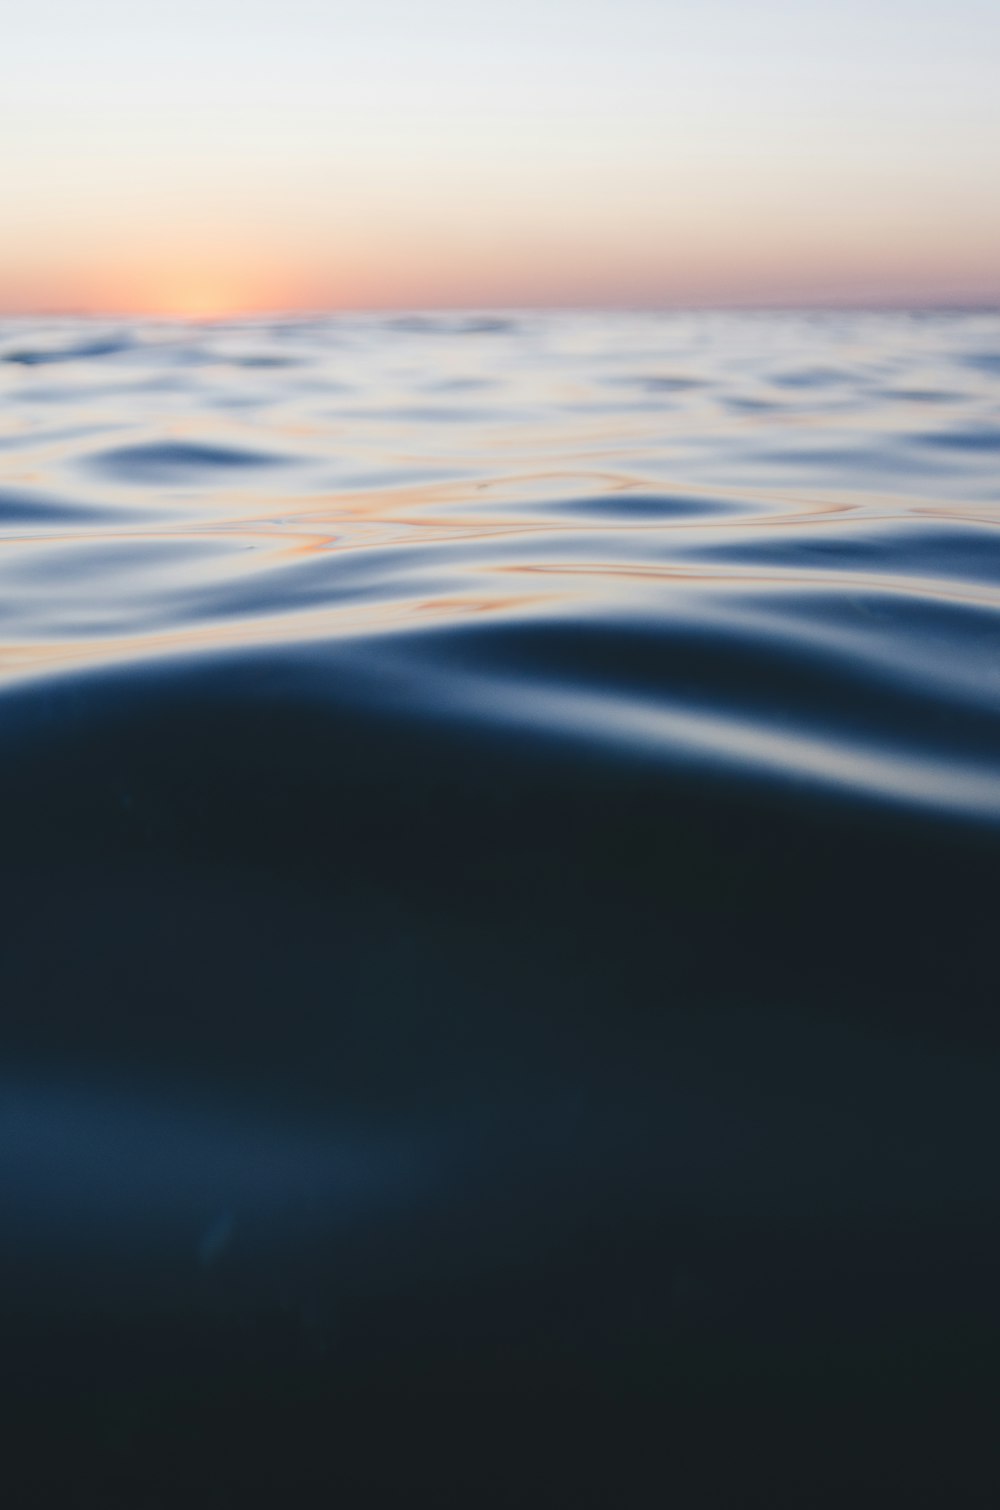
(203, 157)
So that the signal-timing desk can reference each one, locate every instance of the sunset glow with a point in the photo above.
(212, 159)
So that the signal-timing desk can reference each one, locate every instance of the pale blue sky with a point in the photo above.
(611, 152)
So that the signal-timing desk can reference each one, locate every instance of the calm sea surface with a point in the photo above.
(501, 843)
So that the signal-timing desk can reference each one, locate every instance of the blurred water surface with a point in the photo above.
(766, 541)
(499, 878)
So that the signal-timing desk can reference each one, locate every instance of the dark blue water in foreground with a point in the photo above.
(499, 974)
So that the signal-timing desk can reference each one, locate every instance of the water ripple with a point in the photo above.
(500, 848)
(724, 534)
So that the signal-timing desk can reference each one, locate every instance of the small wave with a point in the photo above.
(987, 362)
(449, 325)
(83, 351)
(811, 377)
(974, 438)
(912, 556)
(658, 382)
(177, 461)
(630, 503)
(24, 508)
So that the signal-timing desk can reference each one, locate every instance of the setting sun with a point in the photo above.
(317, 157)
(186, 287)
(194, 298)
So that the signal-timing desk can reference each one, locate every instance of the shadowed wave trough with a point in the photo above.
(500, 849)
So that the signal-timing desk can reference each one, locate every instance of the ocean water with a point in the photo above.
(501, 843)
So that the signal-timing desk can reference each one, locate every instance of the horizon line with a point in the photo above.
(986, 304)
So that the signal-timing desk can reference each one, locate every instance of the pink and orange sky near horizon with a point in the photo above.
(213, 158)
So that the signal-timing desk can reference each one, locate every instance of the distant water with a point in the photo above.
(501, 856)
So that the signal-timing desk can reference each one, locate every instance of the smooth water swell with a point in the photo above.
(498, 896)
(766, 542)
